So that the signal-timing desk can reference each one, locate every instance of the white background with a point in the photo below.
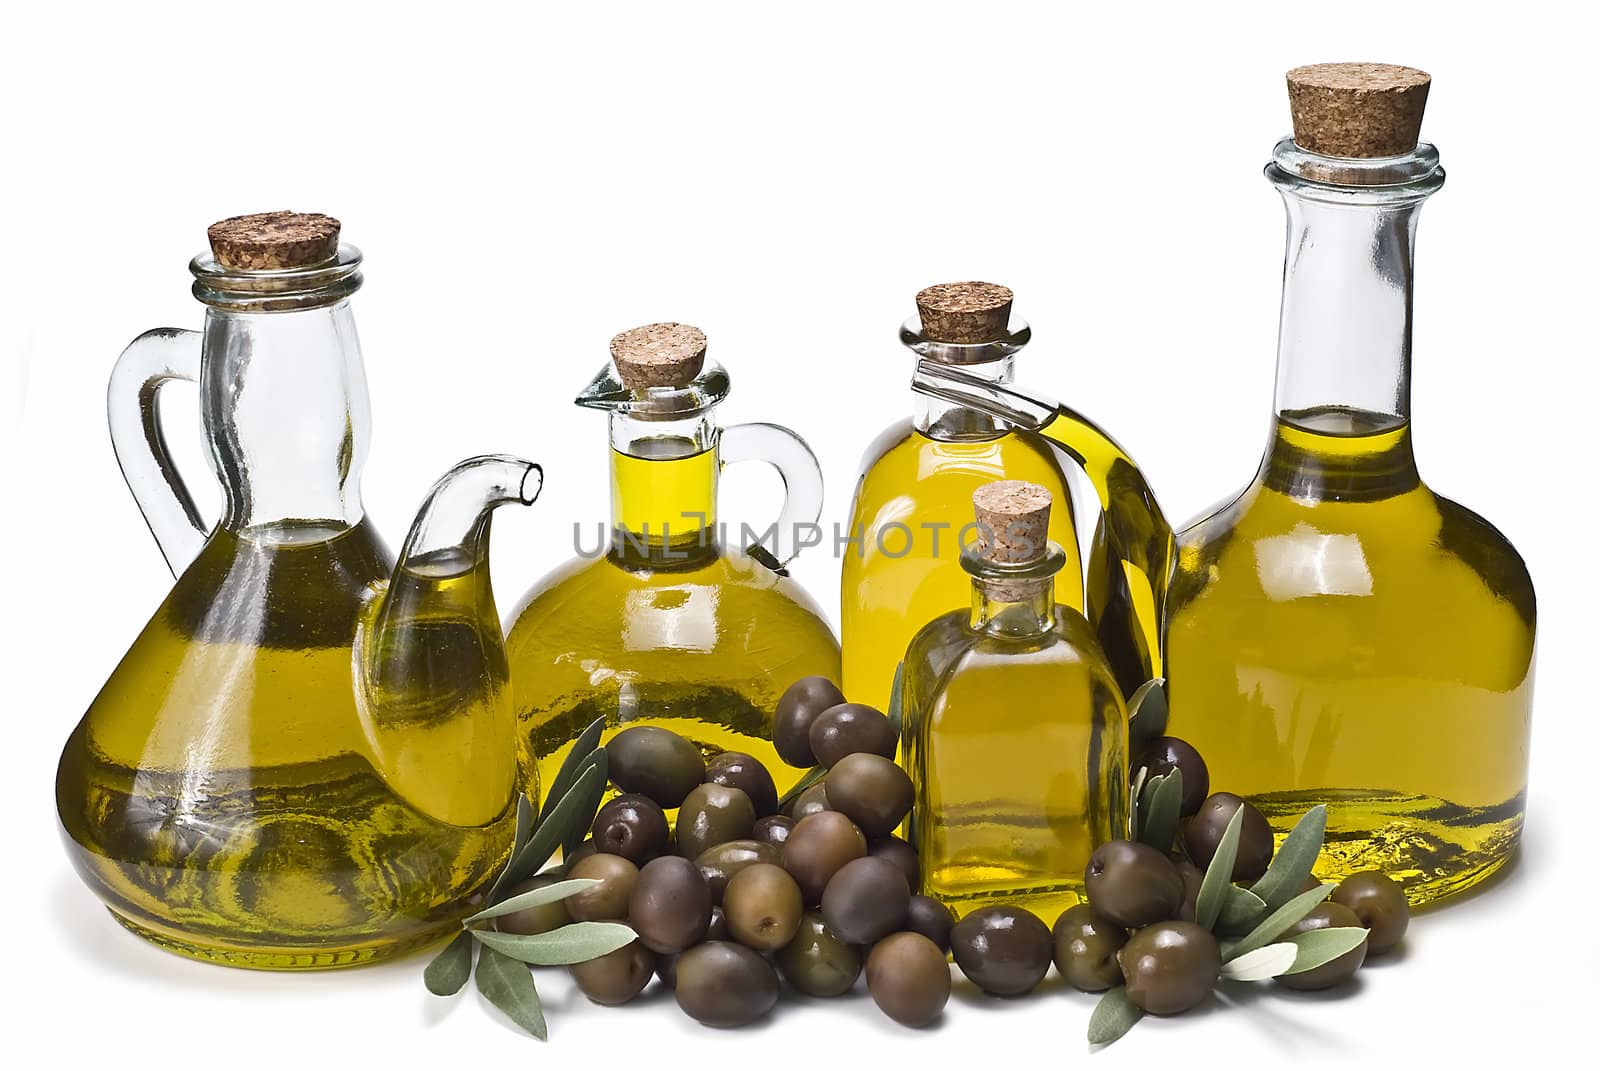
(526, 183)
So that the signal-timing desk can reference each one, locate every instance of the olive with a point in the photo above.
(773, 829)
(1193, 877)
(810, 801)
(724, 984)
(722, 861)
(655, 762)
(633, 827)
(1325, 916)
(712, 815)
(817, 961)
(541, 919)
(901, 855)
(609, 899)
(1167, 753)
(1004, 950)
(581, 852)
(1380, 903)
(1203, 832)
(1132, 885)
(667, 962)
(817, 847)
(908, 978)
(933, 920)
(671, 904)
(851, 728)
(872, 791)
(866, 900)
(1170, 967)
(1086, 947)
(797, 708)
(737, 770)
(616, 977)
(763, 907)
(718, 930)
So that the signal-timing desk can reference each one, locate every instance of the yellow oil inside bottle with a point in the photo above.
(1340, 634)
(912, 502)
(230, 795)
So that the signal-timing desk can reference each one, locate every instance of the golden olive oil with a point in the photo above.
(1340, 634)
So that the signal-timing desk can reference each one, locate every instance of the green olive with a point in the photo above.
(1086, 947)
(1203, 833)
(744, 772)
(712, 815)
(721, 862)
(1325, 916)
(609, 899)
(908, 978)
(671, 904)
(872, 791)
(763, 907)
(866, 900)
(817, 847)
(724, 984)
(1004, 950)
(933, 920)
(541, 919)
(633, 827)
(797, 709)
(851, 728)
(1170, 967)
(654, 762)
(817, 961)
(1132, 885)
(616, 977)
(1380, 903)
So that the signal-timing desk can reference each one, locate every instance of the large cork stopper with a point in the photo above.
(1357, 110)
(964, 313)
(659, 355)
(1013, 521)
(274, 241)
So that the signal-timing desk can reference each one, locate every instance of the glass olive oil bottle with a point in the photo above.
(1338, 633)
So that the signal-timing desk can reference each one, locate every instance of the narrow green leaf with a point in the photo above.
(1136, 803)
(578, 942)
(581, 819)
(1147, 712)
(447, 972)
(1292, 865)
(894, 713)
(1241, 910)
(1113, 1017)
(526, 819)
(1316, 947)
(542, 845)
(509, 986)
(1161, 817)
(572, 765)
(809, 778)
(1219, 875)
(548, 894)
(1266, 962)
(1272, 927)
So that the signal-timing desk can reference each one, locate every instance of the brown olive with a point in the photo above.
(762, 906)
(817, 961)
(609, 899)
(541, 919)
(667, 967)
(933, 920)
(1325, 916)
(671, 904)
(1380, 903)
(718, 930)
(712, 815)
(908, 978)
(616, 977)
(797, 708)
(1004, 950)
(817, 847)
(724, 984)
(1167, 753)
(1192, 876)
(653, 762)
(773, 829)
(737, 770)
(721, 862)
(1132, 885)
(1170, 967)
(850, 728)
(901, 855)
(1086, 947)
(866, 900)
(872, 791)
(810, 801)
(1203, 833)
(633, 827)
(581, 852)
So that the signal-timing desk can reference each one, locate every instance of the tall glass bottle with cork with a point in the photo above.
(1338, 633)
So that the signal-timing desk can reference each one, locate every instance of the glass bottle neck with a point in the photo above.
(284, 407)
(1016, 609)
(949, 422)
(664, 480)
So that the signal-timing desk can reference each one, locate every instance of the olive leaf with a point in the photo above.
(1163, 801)
(1316, 947)
(809, 778)
(1241, 910)
(578, 942)
(578, 825)
(447, 972)
(1135, 792)
(548, 894)
(1113, 1017)
(1147, 712)
(1274, 924)
(1291, 866)
(894, 713)
(526, 819)
(582, 750)
(1219, 875)
(1266, 962)
(574, 810)
(509, 986)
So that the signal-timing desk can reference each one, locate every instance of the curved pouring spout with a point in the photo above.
(1132, 556)
(435, 698)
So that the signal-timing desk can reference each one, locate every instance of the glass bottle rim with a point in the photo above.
(1043, 567)
(1017, 335)
(283, 290)
(607, 392)
(1408, 177)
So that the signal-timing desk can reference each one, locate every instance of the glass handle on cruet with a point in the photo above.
(150, 362)
(796, 465)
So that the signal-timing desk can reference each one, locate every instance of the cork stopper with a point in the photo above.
(274, 241)
(1014, 521)
(659, 355)
(1357, 110)
(964, 313)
